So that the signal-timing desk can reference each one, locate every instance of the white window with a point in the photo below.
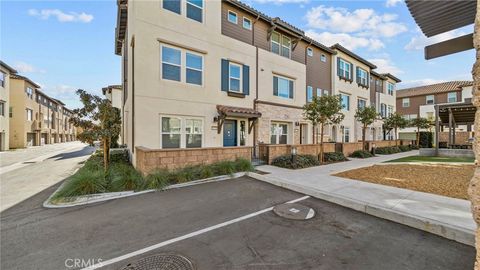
(390, 88)
(282, 87)
(406, 102)
(280, 44)
(29, 92)
(345, 100)
(430, 99)
(325, 92)
(232, 17)
(235, 77)
(346, 134)
(279, 133)
(309, 94)
(319, 92)
(29, 114)
(178, 64)
(383, 110)
(390, 110)
(247, 23)
(362, 77)
(345, 69)
(195, 10)
(323, 58)
(181, 132)
(452, 97)
(309, 51)
(2, 79)
(362, 103)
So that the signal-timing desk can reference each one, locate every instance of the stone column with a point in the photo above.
(474, 188)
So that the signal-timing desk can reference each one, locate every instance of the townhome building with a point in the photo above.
(35, 118)
(5, 72)
(420, 101)
(114, 94)
(220, 76)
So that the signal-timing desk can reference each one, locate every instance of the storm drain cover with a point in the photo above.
(161, 262)
(294, 211)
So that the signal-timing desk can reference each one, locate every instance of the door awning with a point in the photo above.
(230, 111)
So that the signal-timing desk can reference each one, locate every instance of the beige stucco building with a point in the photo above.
(35, 118)
(5, 72)
(209, 74)
(114, 94)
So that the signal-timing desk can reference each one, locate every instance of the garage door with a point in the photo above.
(30, 139)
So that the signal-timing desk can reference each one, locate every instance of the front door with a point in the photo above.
(303, 133)
(230, 133)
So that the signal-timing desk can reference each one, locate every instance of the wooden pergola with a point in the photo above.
(452, 115)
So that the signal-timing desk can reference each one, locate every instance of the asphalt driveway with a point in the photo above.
(336, 238)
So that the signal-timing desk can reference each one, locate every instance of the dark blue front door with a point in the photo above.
(230, 133)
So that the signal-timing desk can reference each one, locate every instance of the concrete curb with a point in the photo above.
(449, 231)
(102, 197)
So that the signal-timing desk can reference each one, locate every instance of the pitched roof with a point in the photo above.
(433, 88)
(12, 70)
(20, 77)
(110, 87)
(353, 55)
(392, 77)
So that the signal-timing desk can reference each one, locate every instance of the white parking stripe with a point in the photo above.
(183, 237)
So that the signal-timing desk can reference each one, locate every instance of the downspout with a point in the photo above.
(133, 93)
(255, 136)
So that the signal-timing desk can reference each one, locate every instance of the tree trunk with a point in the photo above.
(313, 134)
(474, 188)
(418, 137)
(364, 128)
(396, 139)
(321, 144)
(106, 154)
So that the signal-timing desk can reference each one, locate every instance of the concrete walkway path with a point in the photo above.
(444, 216)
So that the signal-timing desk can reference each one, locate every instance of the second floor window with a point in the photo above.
(345, 101)
(309, 94)
(280, 44)
(173, 68)
(452, 97)
(235, 77)
(430, 99)
(383, 110)
(362, 103)
(362, 77)
(390, 111)
(282, 87)
(390, 88)
(344, 69)
(29, 92)
(29, 114)
(405, 102)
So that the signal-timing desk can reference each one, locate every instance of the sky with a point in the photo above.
(67, 45)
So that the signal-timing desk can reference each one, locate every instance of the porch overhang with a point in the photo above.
(229, 111)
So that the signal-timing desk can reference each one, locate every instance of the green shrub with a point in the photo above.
(334, 157)
(124, 177)
(413, 147)
(243, 165)
(83, 182)
(388, 150)
(361, 154)
(118, 155)
(404, 148)
(301, 161)
(223, 168)
(426, 139)
(158, 179)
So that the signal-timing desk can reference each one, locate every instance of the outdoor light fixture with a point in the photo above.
(215, 119)
(297, 124)
(294, 154)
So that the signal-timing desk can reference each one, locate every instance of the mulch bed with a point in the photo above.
(442, 179)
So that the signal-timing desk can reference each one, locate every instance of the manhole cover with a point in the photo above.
(161, 262)
(294, 211)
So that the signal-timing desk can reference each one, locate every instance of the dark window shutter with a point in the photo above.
(358, 75)
(290, 94)
(338, 67)
(275, 86)
(351, 71)
(246, 80)
(224, 75)
(368, 80)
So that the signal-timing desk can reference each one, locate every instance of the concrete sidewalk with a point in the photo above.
(444, 216)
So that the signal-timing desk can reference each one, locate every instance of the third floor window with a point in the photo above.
(193, 9)
(430, 99)
(390, 88)
(344, 69)
(452, 97)
(280, 44)
(29, 92)
(362, 77)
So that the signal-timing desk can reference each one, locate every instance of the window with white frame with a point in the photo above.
(344, 69)
(29, 92)
(323, 58)
(362, 77)
(29, 114)
(2, 78)
(280, 44)
(232, 17)
(390, 110)
(452, 97)
(279, 133)
(430, 99)
(346, 134)
(361, 104)
(406, 102)
(309, 51)
(345, 101)
(181, 65)
(181, 132)
(282, 87)
(247, 23)
(390, 88)
(234, 77)
(319, 92)
(309, 94)
(325, 92)
(383, 110)
(195, 10)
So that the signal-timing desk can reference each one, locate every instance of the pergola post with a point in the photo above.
(450, 119)
(437, 130)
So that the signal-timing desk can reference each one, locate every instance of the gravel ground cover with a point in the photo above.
(443, 179)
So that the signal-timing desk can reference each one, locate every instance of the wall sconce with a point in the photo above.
(297, 124)
(215, 119)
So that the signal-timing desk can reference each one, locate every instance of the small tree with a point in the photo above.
(366, 116)
(394, 121)
(324, 110)
(420, 123)
(99, 120)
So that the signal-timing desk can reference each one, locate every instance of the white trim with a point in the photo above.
(183, 133)
(309, 51)
(202, 8)
(243, 23)
(183, 64)
(228, 17)
(240, 88)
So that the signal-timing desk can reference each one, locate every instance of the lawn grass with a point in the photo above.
(433, 159)
(122, 176)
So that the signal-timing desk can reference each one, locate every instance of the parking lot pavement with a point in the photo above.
(336, 238)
